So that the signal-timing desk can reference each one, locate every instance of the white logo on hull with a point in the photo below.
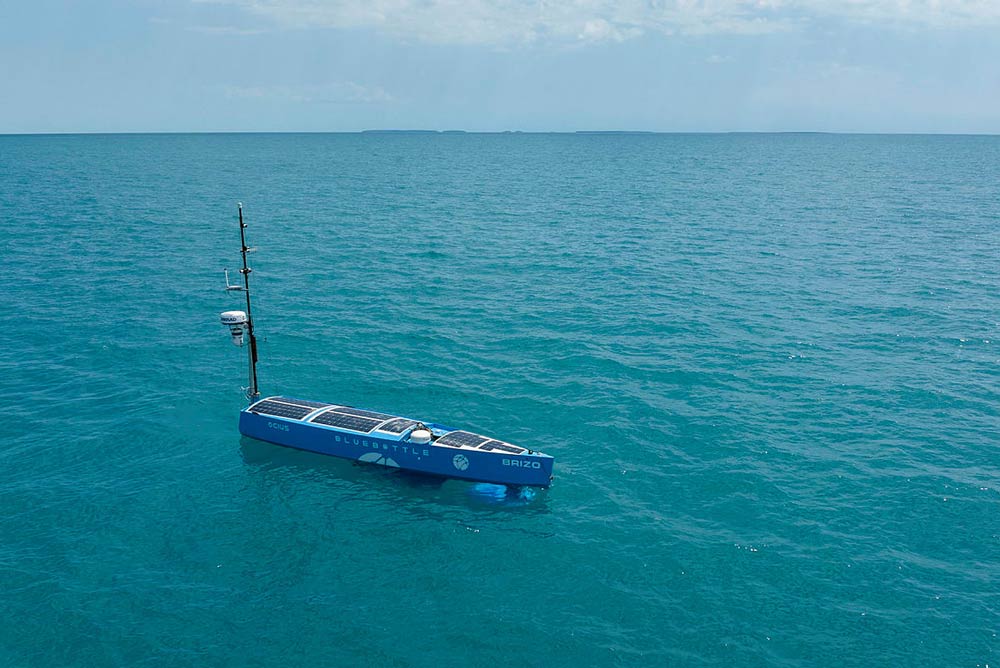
(378, 458)
(460, 462)
(522, 463)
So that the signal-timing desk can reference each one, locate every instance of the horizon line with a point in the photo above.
(393, 131)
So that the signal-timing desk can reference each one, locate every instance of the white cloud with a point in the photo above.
(347, 92)
(504, 22)
(512, 22)
(599, 30)
(928, 13)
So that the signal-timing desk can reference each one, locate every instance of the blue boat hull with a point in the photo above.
(533, 469)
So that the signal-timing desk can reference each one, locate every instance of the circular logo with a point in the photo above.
(461, 462)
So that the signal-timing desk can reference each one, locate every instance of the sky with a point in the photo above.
(478, 65)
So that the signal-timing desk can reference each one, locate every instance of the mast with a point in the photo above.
(253, 393)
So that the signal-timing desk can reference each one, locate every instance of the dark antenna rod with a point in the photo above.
(252, 392)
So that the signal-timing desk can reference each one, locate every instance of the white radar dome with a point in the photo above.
(420, 436)
(235, 321)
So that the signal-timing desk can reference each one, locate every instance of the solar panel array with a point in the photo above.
(356, 419)
(343, 421)
(398, 426)
(498, 445)
(460, 438)
(363, 413)
(281, 410)
(303, 402)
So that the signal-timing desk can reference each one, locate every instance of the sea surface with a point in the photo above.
(767, 367)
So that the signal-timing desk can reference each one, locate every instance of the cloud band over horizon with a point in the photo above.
(501, 23)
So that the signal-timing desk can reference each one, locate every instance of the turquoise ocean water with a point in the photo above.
(767, 366)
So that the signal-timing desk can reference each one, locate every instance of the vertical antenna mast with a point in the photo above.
(252, 392)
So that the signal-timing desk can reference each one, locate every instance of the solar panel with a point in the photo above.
(398, 426)
(281, 410)
(498, 445)
(303, 402)
(363, 413)
(341, 421)
(460, 438)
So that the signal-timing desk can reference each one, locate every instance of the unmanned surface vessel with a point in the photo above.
(369, 436)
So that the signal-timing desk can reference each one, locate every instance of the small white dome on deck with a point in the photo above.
(420, 436)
